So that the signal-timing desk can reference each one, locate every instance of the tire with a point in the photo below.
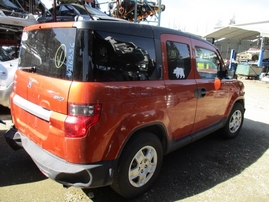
(234, 123)
(139, 166)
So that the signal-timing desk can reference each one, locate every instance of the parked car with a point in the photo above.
(12, 9)
(99, 103)
(9, 8)
(69, 12)
(8, 66)
(13, 51)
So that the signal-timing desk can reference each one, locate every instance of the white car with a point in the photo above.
(8, 67)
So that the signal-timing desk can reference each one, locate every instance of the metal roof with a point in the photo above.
(248, 31)
(232, 32)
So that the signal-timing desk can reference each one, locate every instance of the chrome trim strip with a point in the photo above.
(32, 108)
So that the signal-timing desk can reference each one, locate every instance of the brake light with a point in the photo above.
(80, 118)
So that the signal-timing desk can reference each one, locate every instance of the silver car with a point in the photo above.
(8, 67)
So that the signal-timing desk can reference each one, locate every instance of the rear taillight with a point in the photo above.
(80, 118)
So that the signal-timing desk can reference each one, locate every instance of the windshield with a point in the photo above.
(91, 10)
(8, 4)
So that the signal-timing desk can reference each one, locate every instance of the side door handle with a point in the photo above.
(199, 93)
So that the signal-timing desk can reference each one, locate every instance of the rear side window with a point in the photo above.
(207, 63)
(105, 57)
(179, 62)
(49, 52)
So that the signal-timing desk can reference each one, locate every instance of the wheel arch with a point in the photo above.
(229, 109)
(158, 129)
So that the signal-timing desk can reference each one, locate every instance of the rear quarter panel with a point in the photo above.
(126, 106)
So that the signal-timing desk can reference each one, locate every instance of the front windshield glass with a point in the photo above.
(94, 11)
(9, 4)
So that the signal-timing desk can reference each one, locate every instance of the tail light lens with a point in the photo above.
(80, 118)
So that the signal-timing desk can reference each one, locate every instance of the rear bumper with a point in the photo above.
(68, 174)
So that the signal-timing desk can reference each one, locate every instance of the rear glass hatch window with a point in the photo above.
(49, 52)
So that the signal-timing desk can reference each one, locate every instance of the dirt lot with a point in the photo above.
(211, 169)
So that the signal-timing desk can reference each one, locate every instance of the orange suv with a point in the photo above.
(99, 103)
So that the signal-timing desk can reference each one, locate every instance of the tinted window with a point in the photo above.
(88, 56)
(67, 11)
(179, 63)
(207, 63)
(49, 51)
(81, 10)
(114, 57)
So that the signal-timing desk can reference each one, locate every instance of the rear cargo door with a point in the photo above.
(36, 93)
(42, 84)
(46, 67)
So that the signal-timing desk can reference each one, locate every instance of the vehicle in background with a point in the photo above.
(8, 67)
(11, 9)
(13, 51)
(73, 12)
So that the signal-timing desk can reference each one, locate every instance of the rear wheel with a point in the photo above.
(138, 166)
(234, 123)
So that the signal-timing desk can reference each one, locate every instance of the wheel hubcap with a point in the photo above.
(142, 166)
(235, 121)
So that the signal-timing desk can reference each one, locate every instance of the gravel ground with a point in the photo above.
(211, 169)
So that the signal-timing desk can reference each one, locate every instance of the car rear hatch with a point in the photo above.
(41, 86)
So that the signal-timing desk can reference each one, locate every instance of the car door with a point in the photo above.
(180, 84)
(211, 102)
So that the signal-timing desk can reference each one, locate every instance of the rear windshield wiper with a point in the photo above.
(29, 69)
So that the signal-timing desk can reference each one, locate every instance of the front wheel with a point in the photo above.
(138, 166)
(234, 123)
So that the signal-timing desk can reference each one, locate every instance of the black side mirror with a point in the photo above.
(222, 72)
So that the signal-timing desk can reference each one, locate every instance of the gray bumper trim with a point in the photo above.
(68, 174)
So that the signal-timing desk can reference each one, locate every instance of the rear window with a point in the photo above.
(86, 55)
(49, 52)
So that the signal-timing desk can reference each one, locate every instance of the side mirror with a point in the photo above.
(217, 84)
(222, 72)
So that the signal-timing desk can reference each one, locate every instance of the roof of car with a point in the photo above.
(121, 27)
